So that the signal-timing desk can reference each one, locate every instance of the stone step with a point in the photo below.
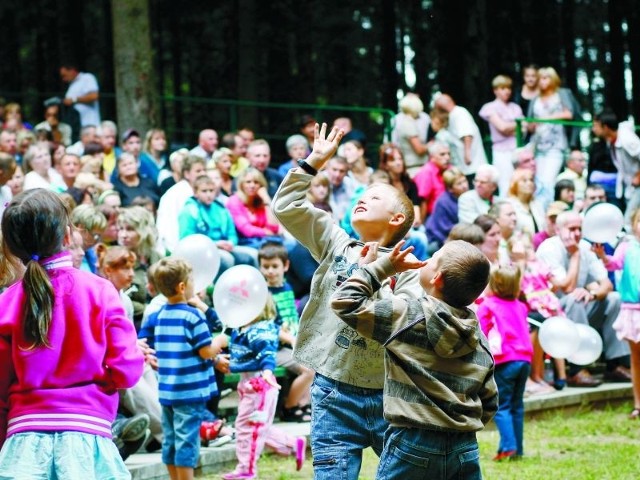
(148, 466)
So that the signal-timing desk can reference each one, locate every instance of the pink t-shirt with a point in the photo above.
(507, 112)
(430, 184)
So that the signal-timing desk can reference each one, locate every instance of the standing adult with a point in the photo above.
(624, 146)
(60, 132)
(464, 128)
(501, 115)
(82, 94)
(550, 139)
(529, 89)
(410, 132)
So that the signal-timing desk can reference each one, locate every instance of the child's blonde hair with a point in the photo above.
(168, 273)
(504, 281)
(320, 180)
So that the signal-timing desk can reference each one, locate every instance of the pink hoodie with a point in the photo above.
(71, 385)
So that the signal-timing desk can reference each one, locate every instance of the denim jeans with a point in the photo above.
(181, 426)
(511, 378)
(344, 421)
(416, 454)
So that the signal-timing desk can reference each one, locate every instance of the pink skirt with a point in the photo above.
(627, 325)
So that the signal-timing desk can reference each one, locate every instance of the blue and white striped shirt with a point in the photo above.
(177, 332)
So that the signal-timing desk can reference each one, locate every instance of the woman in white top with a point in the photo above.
(40, 174)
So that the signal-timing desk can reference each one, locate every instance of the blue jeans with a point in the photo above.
(344, 421)
(511, 378)
(181, 428)
(416, 454)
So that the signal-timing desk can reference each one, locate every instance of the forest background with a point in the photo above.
(187, 65)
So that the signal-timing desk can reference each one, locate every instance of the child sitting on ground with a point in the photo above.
(253, 354)
(439, 388)
(183, 345)
(274, 263)
(504, 320)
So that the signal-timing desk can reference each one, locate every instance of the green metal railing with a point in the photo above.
(565, 123)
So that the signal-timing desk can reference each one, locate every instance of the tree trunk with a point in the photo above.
(137, 92)
(615, 83)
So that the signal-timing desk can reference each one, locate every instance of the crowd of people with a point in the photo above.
(309, 226)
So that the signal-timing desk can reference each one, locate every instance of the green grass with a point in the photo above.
(586, 445)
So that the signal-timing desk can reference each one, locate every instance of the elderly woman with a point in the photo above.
(530, 213)
(40, 173)
(410, 132)
(297, 147)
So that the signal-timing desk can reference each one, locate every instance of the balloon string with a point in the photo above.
(534, 322)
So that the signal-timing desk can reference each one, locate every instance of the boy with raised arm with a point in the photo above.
(346, 395)
(439, 385)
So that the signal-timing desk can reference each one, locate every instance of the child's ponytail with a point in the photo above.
(38, 307)
(34, 226)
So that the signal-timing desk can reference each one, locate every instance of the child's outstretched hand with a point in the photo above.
(369, 253)
(402, 260)
(324, 146)
(270, 378)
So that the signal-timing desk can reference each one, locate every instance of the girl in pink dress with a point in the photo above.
(537, 289)
(627, 326)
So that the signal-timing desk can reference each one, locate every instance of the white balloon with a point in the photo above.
(602, 223)
(589, 347)
(202, 253)
(240, 295)
(558, 337)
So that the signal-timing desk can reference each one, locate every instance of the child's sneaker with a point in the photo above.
(301, 452)
(508, 455)
(235, 475)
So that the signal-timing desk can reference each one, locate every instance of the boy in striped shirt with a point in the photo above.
(181, 338)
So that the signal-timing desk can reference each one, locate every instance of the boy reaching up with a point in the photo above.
(346, 394)
(439, 386)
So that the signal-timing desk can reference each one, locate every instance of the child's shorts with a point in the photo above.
(61, 455)
(181, 428)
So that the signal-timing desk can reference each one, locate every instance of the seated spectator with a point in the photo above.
(137, 232)
(392, 162)
(576, 171)
(251, 211)
(175, 164)
(222, 161)
(445, 211)
(505, 214)
(468, 232)
(586, 295)
(90, 222)
(13, 118)
(16, 183)
(205, 214)
(174, 199)
(129, 183)
(554, 209)
(530, 215)
(429, 178)
(108, 135)
(40, 174)
(359, 170)
(88, 134)
(565, 191)
(478, 200)
(297, 147)
(319, 192)
(153, 158)
(237, 146)
(492, 237)
(110, 211)
(342, 187)
(259, 156)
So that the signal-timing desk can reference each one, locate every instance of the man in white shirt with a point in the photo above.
(207, 144)
(463, 127)
(83, 93)
(477, 201)
(174, 199)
